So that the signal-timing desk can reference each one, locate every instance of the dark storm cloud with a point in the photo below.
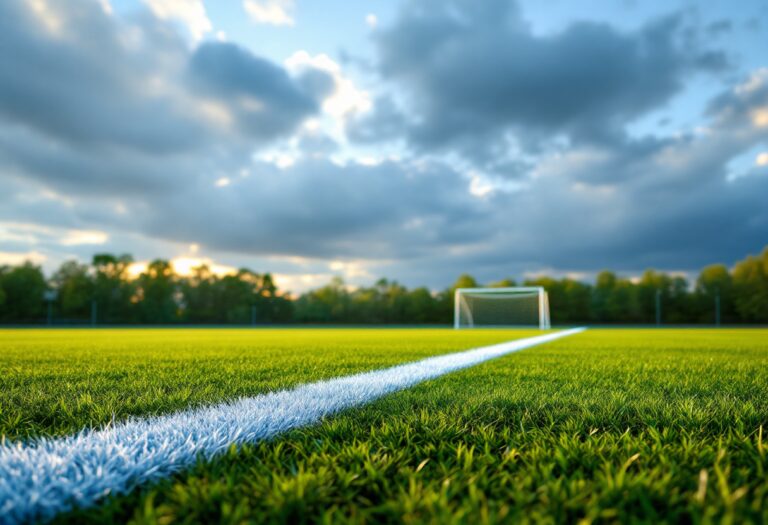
(319, 209)
(89, 79)
(267, 101)
(472, 71)
(385, 122)
(76, 82)
(650, 202)
(29, 154)
(95, 105)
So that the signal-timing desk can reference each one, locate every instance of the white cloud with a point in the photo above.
(372, 20)
(189, 12)
(274, 12)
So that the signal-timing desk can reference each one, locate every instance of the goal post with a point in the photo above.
(510, 306)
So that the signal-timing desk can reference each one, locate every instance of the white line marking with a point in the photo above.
(47, 476)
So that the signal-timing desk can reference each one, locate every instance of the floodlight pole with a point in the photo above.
(49, 296)
(658, 307)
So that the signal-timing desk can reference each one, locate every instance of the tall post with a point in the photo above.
(717, 308)
(49, 296)
(456, 310)
(658, 307)
(94, 311)
(541, 309)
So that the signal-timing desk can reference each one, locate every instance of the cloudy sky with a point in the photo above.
(411, 139)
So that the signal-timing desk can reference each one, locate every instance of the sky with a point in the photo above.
(410, 139)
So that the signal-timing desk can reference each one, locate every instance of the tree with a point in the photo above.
(331, 303)
(578, 301)
(714, 282)
(750, 282)
(75, 288)
(271, 307)
(421, 307)
(394, 299)
(23, 288)
(198, 293)
(464, 281)
(160, 296)
(614, 300)
(206, 298)
(672, 293)
(157, 287)
(113, 290)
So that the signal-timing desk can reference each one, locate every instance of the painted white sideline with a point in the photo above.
(47, 476)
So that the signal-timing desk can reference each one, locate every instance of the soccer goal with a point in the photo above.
(516, 306)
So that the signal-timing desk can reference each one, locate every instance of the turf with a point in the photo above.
(661, 426)
(56, 382)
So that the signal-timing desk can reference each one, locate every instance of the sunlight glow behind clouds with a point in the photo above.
(16, 258)
(77, 237)
(346, 97)
(185, 266)
(760, 117)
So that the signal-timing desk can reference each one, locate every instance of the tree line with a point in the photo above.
(104, 292)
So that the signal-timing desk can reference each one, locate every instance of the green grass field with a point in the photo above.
(57, 381)
(605, 426)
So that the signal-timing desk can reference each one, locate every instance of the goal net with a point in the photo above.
(518, 306)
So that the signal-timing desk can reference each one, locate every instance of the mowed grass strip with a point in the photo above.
(56, 382)
(655, 426)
